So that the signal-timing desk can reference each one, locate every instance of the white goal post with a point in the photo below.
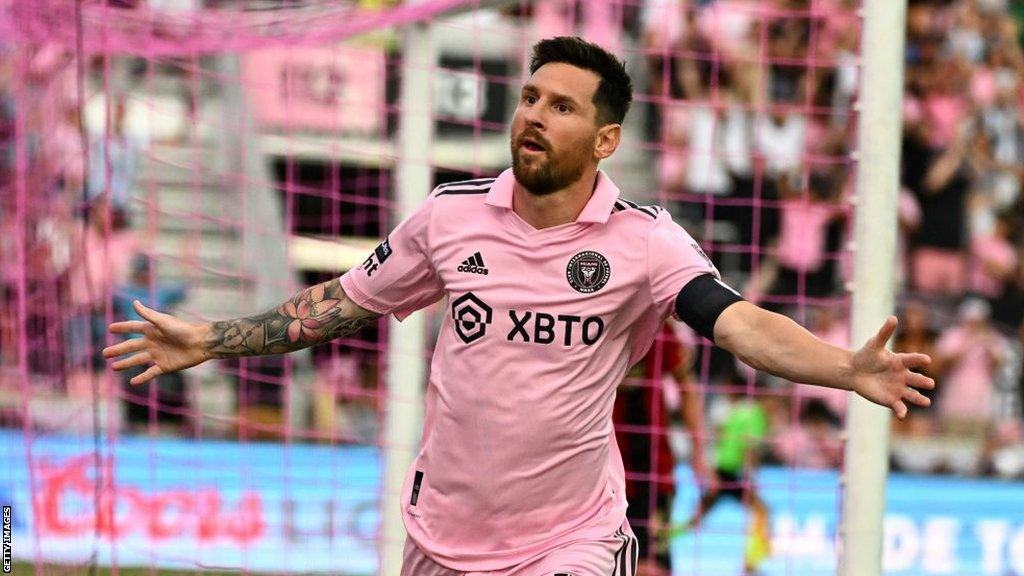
(880, 106)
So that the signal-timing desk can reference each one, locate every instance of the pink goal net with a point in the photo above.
(211, 157)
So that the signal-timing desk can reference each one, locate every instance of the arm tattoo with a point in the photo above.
(317, 314)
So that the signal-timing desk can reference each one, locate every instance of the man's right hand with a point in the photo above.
(167, 344)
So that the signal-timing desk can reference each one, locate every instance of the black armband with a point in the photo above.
(702, 301)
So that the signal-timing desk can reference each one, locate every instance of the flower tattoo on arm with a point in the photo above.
(316, 315)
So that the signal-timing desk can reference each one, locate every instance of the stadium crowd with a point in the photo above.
(746, 110)
(752, 126)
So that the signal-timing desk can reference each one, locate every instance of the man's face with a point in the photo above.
(554, 131)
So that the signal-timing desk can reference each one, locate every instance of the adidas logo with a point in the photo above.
(474, 265)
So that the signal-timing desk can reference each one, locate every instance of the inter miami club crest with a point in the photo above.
(588, 272)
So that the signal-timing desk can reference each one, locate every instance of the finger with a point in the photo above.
(920, 381)
(150, 373)
(129, 327)
(885, 332)
(914, 359)
(916, 398)
(900, 409)
(139, 359)
(148, 313)
(126, 347)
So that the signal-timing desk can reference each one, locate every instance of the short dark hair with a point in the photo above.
(615, 91)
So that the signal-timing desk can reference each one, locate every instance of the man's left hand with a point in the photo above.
(886, 378)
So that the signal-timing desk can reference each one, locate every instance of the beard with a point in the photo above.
(548, 173)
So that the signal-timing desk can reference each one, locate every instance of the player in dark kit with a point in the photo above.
(642, 418)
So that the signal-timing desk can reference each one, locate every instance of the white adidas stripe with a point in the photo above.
(466, 187)
(636, 554)
(467, 182)
(620, 567)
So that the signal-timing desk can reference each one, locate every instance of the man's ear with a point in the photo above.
(607, 140)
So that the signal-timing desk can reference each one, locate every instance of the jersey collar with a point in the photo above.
(597, 210)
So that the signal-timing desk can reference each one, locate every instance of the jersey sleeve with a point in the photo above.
(673, 259)
(398, 277)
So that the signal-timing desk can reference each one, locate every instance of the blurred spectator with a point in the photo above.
(165, 397)
(101, 256)
(113, 162)
(596, 19)
(66, 156)
(815, 440)
(965, 38)
(779, 140)
(730, 24)
(1001, 122)
(800, 263)
(968, 354)
(993, 260)
(940, 180)
(1005, 450)
(347, 402)
(7, 116)
(944, 103)
(828, 324)
(142, 286)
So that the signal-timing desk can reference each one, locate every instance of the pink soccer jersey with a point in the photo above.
(518, 452)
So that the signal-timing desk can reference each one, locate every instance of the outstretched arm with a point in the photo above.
(775, 344)
(315, 315)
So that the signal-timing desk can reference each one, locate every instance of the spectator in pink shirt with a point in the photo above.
(594, 19)
(838, 19)
(944, 105)
(830, 326)
(800, 265)
(100, 261)
(728, 24)
(993, 260)
(802, 239)
(969, 353)
(813, 441)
